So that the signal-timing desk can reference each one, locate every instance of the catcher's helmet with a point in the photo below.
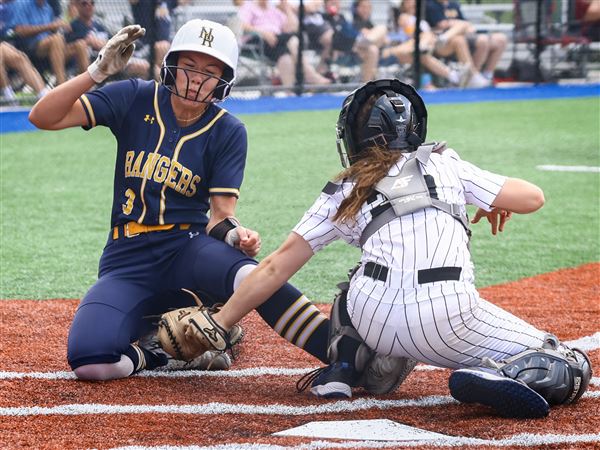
(397, 121)
(210, 38)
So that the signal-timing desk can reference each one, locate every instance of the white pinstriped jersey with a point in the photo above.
(444, 322)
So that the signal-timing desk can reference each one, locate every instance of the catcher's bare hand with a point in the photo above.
(497, 218)
(116, 53)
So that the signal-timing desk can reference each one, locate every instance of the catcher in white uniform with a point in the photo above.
(413, 295)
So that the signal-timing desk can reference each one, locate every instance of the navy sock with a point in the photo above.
(144, 359)
(298, 320)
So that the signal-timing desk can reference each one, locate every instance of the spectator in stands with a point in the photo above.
(85, 27)
(445, 16)
(587, 12)
(155, 17)
(18, 61)
(452, 44)
(276, 26)
(361, 21)
(41, 35)
(402, 46)
(318, 31)
(349, 40)
(15, 60)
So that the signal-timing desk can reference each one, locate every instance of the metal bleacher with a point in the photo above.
(254, 73)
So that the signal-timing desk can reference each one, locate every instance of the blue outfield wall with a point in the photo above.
(15, 119)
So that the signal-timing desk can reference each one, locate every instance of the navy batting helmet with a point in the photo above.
(397, 121)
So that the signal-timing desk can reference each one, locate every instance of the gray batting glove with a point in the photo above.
(116, 52)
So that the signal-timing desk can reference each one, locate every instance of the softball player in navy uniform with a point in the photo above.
(403, 202)
(179, 156)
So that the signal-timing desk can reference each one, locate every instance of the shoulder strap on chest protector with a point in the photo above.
(408, 192)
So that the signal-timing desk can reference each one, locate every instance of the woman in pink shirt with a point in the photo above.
(277, 27)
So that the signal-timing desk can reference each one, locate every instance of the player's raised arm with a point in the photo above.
(60, 108)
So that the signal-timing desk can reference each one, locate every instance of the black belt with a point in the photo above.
(379, 272)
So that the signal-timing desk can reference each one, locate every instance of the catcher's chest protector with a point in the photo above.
(408, 192)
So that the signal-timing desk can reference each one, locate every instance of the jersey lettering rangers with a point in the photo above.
(165, 174)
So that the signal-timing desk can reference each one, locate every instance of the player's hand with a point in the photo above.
(114, 55)
(249, 241)
(497, 217)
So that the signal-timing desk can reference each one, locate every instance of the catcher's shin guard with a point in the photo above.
(556, 372)
(377, 374)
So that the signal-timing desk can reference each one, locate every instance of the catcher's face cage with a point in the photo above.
(398, 120)
(209, 38)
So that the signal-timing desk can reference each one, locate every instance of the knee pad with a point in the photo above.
(377, 374)
(559, 374)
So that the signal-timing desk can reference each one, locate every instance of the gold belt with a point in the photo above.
(131, 229)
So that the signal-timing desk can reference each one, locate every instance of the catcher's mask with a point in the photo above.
(397, 121)
(210, 38)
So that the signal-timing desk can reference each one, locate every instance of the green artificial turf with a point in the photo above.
(56, 193)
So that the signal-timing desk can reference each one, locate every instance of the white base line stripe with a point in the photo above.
(227, 408)
(518, 440)
(587, 343)
(551, 168)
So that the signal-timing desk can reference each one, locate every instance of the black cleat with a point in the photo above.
(509, 398)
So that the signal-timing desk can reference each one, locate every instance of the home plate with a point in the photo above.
(364, 430)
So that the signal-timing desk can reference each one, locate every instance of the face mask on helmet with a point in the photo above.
(209, 38)
(397, 120)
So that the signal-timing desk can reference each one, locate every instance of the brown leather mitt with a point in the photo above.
(187, 333)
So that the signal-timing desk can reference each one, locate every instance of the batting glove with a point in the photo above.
(116, 52)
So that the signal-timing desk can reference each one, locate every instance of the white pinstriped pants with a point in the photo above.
(444, 328)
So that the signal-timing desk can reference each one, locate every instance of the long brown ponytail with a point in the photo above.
(366, 171)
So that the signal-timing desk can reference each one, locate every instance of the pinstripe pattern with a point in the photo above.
(443, 323)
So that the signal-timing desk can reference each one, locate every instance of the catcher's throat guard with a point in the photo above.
(398, 120)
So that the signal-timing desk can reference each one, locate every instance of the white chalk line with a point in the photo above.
(518, 440)
(556, 168)
(360, 404)
(526, 440)
(587, 343)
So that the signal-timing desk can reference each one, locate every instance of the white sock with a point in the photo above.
(8, 93)
(242, 273)
(454, 77)
(488, 75)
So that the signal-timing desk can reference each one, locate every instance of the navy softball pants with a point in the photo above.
(139, 279)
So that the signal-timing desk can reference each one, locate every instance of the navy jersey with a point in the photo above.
(163, 173)
(81, 30)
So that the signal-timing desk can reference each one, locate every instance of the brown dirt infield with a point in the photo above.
(565, 302)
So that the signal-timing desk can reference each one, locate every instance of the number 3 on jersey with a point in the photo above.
(128, 207)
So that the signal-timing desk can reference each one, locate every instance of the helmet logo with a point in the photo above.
(207, 36)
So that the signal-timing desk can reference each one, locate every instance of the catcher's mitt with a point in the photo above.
(187, 333)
